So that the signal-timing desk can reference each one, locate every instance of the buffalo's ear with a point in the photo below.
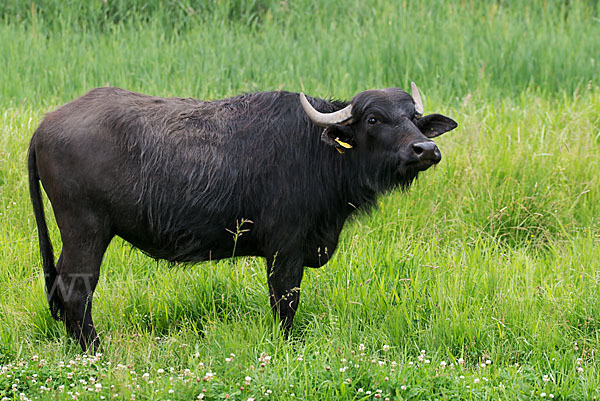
(434, 125)
(339, 136)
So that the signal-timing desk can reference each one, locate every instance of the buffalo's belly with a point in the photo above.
(207, 242)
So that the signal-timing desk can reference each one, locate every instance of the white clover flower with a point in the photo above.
(386, 348)
(476, 380)
(361, 347)
(542, 395)
(160, 371)
(461, 361)
(546, 378)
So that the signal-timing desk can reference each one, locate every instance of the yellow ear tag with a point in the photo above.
(340, 150)
(343, 144)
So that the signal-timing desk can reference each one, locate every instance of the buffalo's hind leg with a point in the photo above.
(78, 268)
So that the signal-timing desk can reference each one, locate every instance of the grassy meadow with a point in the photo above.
(481, 282)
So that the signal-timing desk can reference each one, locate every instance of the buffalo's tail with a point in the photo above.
(50, 273)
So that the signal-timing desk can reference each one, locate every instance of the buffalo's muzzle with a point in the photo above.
(427, 152)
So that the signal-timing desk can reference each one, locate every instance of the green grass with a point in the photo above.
(494, 255)
(331, 49)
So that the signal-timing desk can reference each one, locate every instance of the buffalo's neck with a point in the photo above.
(348, 185)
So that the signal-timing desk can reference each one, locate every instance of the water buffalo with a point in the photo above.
(178, 178)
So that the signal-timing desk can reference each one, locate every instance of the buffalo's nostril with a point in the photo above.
(427, 151)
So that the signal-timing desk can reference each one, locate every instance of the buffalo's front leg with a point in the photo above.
(284, 277)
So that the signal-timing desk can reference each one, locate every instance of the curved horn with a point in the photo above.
(417, 98)
(326, 119)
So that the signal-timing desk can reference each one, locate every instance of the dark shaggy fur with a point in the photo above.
(178, 177)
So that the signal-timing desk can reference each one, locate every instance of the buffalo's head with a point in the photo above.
(387, 130)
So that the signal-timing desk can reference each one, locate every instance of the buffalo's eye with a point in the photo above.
(372, 121)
